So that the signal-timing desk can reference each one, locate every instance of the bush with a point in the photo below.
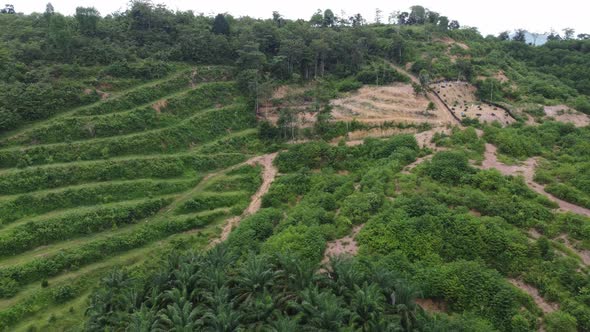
(63, 293)
(8, 287)
(559, 321)
(449, 167)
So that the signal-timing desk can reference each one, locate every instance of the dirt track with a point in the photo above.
(534, 293)
(527, 170)
(269, 173)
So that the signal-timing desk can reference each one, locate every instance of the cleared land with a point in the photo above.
(396, 103)
(461, 99)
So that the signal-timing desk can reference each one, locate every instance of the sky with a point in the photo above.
(490, 17)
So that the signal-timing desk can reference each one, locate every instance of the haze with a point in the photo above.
(490, 17)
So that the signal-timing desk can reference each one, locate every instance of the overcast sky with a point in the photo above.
(491, 17)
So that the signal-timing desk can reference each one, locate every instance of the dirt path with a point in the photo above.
(583, 254)
(527, 170)
(268, 175)
(346, 245)
(545, 306)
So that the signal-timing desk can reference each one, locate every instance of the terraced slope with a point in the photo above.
(112, 182)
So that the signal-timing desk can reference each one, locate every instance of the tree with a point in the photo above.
(505, 35)
(568, 33)
(402, 18)
(378, 16)
(454, 25)
(519, 36)
(220, 25)
(583, 36)
(278, 19)
(329, 18)
(553, 35)
(417, 15)
(424, 79)
(8, 9)
(443, 23)
(317, 19)
(357, 20)
(87, 18)
(432, 17)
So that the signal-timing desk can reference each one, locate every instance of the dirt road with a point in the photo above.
(269, 173)
(527, 170)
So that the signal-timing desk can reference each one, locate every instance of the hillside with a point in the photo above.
(164, 170)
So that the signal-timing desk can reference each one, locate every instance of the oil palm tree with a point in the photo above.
(321, 310)
(180, 316)
(367, 305)
(255, 276)
(142, 320)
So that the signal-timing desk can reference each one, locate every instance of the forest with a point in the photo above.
(166, 170)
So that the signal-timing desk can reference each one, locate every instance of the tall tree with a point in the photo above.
(568, 33)
(519, 36)
(220, 25)
(329, 18)
(454, 25)
(87, 18)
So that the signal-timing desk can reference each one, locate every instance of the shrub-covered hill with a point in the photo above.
(165, 170)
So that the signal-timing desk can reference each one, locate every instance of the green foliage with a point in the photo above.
(449, 167)
(304, 242)
(560, 321)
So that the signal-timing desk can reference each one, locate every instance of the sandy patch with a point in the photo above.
(432, 305)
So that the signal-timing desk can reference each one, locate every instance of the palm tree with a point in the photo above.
(367, 304)
(321, 310)
(110, 302)
(344, 275)
(180, 316)
(403, 301)
(222, 319)
(284, 324)
(143, 320)
(294, 275)
(255, 276)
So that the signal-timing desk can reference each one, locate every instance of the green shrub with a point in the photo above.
(559, 321)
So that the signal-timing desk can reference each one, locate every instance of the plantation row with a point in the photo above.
(73, 258)
(26, 236)
(29, 205)
(198, 129)
(158, 89)
(159, 167)
(151, 116)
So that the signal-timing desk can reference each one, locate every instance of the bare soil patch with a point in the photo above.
(461, 99)
(545, 306)
(393, 103)
(159, 105)
(563, 113)
(344, 246)
(433, 305)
